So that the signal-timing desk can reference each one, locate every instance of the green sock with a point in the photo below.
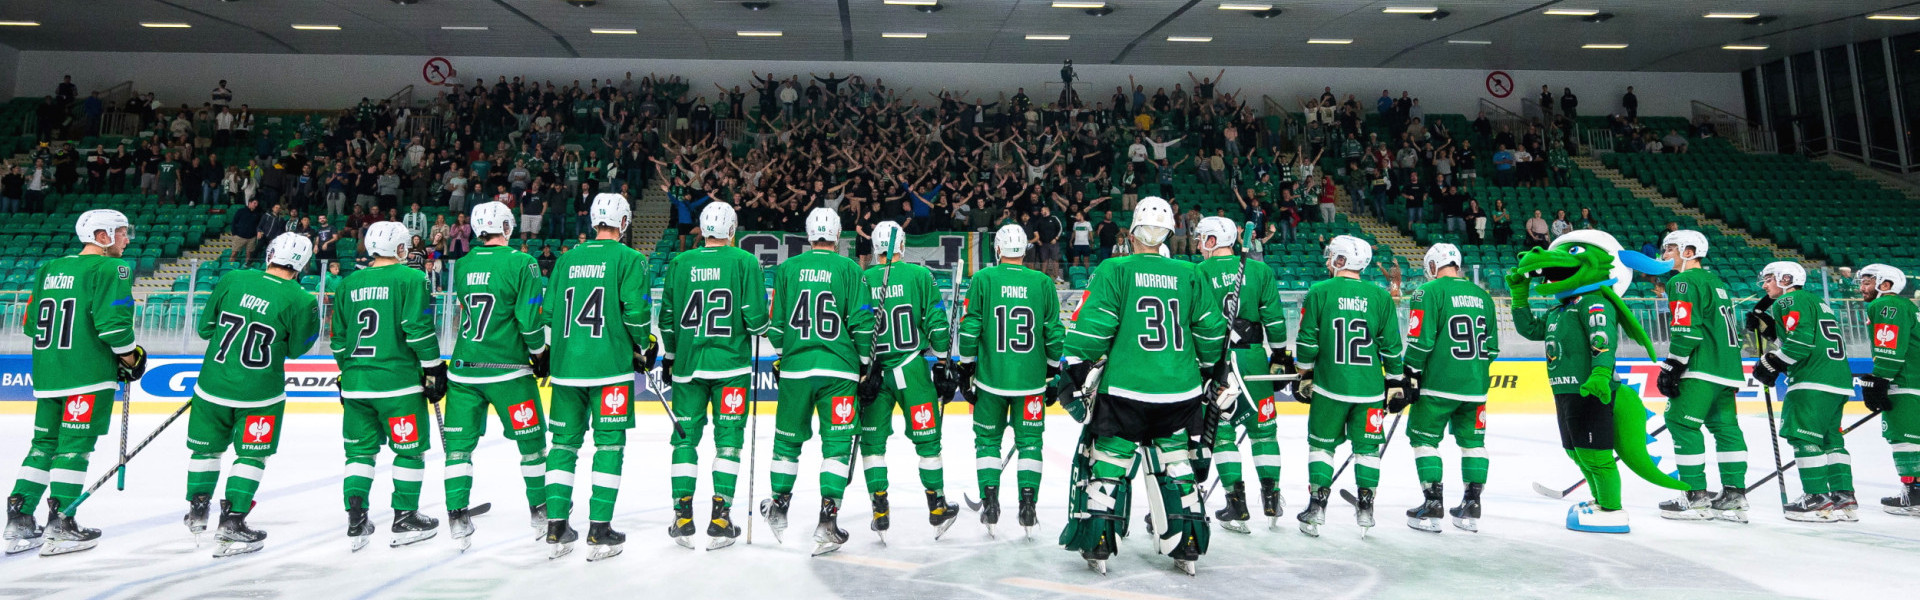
(203, 474)
(1473, 464)
(359, 481)
(244, 481)
(408, 471)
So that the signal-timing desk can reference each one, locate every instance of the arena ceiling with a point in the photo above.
(1659, 35)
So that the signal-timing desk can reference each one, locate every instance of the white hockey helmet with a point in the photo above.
(387, 238)
(717, 221)
(888, 238)
(1882, 275)
(610, 210)
(102, 219)
(1785, 273)
(823, 225)
(290, 250)
(1010, 241)
(1156, 217)
(1439, 257)
(1220, 229)
(1683, 239)
(492, 218)
(1357, 252)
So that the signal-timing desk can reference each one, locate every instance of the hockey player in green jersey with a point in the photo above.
(1159, 327)
(823, 333)
(389, 355)
(1259, 326)
(1819, 383)
(501, 352)
(1351, 381)
(601, 336)
(712, 311)
(1700, 377)
(80, 318)
(910, 322)
(1452, 338)
(253, 323)
(1893, 388)
(1011, 341)
(1585, 271)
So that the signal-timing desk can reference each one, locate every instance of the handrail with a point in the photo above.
(116, 95)
(402, 98)
(1745, 135)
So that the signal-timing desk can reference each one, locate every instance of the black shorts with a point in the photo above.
(686, 228)
(1585, 422)
(1143, 422)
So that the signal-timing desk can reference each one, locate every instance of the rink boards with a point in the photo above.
(1519, 386)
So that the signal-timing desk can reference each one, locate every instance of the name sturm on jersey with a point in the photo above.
(705, 274)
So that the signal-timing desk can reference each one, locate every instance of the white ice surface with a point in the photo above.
(1522, 550)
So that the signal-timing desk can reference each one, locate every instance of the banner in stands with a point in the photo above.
(937, 251)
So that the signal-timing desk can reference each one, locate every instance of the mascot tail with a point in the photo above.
(1630, 438)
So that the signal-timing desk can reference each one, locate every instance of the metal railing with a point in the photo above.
(1745, 135)
(1501, 118)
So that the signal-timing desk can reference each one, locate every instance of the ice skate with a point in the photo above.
(1811, 508)
(990, 507)
(1590, 518)
(602, 541)
(196, 519)
(828, 536)
(23, 533)
(682, 528)
(1731, 505)
(1186, 555)
(1272, 503)
(721, 531)
(1907, 504)
(460, 528)
(1029, 510)
(882, 516)
(359, 529)
(1845, 507)
(537, 519)
(1696, 505)
(235, 537)
(1363, 510)
(409, 527)
(1316, 513)
(1233, 517)
(774, 510)
(1426, 516)
(560, 538)
(1466, 516)
(64, 536)
(1097, 556)
(941, 513)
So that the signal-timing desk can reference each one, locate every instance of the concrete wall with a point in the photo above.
(312, 81)
(10, 62)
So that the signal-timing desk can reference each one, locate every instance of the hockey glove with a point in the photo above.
(1079, 373)
(1768, 370)
(1053, 370)
(1281, 362)
(1873, 390)
(435, 381)
(1246, 333)
(131, 365)
(1669, 381)
(963, 374)
(869, 388)
(666, 368)
(542, 363)
(1760, 323)
(944, 382)
(1397, 397)
(1303, 389)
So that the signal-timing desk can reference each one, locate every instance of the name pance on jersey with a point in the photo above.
(370, 293)
(1013, 291)
(596, 271)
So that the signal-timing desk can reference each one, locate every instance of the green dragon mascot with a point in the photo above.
(1585, 271)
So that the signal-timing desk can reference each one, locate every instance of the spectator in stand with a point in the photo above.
(246, 226)
(1631, 103)
(1569, 104)
(1503, 163)
(415, 221)
(1476, 222)
(1674, 143)
(39, 179)
(1108, 234)
(1537, 231)
(1546, 104)
(12, 187)
(1328, 198)
(1046, 230)
(459, 238)
(1560, 225)
(1454, 205)
(1082, 240)
(221, 95)
(1499, 223)
(532, 207)
(547, 259)
(1587, 219)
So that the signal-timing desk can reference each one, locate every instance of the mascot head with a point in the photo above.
(1583, 261)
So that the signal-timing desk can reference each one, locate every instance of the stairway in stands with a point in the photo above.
(652, 214)
(1907, 188)
(1383, 234)
(162, 278)
(1641, 191)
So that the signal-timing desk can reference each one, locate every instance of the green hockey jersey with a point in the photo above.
(79, 317)
(910, 317)
(1810, 343)
(713, 309)
(1703, 336)
(1157, 324)
(1350, 337)
(1895, 325)
(1582, 333)
(1010, 324)
(1453, 336)
(501, 302)
(253, 323)
(1259, 300)
(822, 325)
(601, 295)
(382, 333)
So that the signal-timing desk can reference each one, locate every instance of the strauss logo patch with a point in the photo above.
(1035, 408)
(403, 429)
(733, 401)
(79, 408)
(259, 429)
(524, 415)
(1415, 318)
(1886, 335)
(922, 416)
(1375, 417)
(613, 401)
(842, 410)
(1683, 313)
(1266, 409)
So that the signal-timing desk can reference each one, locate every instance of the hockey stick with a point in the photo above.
(753, 431)
(1558, 494)
(126, 420)
(71, 506)
(974, 505)
(1773, 431)
(1348, 495)
(660, 393)
(1790, 464)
